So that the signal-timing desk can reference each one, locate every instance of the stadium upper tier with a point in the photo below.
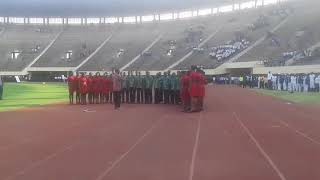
(73, 46)
(293, 42)
(127, 42)
(178, 39)
(236, 31)
(270, 32)
(20, 45)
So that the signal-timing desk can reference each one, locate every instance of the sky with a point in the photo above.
(95, 7)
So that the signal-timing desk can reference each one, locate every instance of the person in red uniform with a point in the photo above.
(77, 88)
(71, 82)
(100, 89)
(90, 89)
(185, 95)
(95, 87)
(83, 88)
(196, 89)
(105, 86)
(203, 82)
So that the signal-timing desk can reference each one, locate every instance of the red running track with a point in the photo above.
(240, 136)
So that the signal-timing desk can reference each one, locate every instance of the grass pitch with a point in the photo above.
(296, 97)
(25, 95)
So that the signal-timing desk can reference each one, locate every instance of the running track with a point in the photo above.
(240, 136)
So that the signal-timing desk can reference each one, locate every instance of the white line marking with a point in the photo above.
(195, 148)
(123, 156)
(94, 53)
(138, 56)
(299, 132)
(42, 161)
(262, 151)
(43, 52)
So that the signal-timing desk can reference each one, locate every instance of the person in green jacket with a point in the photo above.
(158, 91)
(172, 80)
(132, 87)
(139, 89)
(166, 88)
(175, 89)
(147, 86)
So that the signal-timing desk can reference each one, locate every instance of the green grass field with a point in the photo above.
(300, 98)
(25, 95)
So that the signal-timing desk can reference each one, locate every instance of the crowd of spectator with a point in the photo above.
(281, 82)
(229, 49)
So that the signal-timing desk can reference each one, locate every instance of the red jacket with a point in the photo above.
(197, 86)
(83, 85)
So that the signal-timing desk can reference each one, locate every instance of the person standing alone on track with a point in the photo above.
(1, 88)
(116, 82)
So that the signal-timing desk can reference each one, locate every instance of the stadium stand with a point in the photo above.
(127, 42)
(21, 44)
(241, 30)
(290, 45)
(74, 45)
(180, 38)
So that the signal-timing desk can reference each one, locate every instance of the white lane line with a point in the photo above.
(195, 148)
(262, 151)
(42, 161)
(123, 156)
(300, 133)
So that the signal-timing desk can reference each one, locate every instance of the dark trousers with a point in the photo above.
(83, 99)
(110, 98)
(171, 96)
(177, 97)
(166, 96)
(78, 97)
(117, 99)
(156, 95)
(125, 95)
(91, 97)
(139, 95)
(132, 95)
(148, 96)
(1, 92)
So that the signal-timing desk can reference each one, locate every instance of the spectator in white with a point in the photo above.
(293, 83)
(269, 80)
(1, 88)
(312, 82)
(274, 82)
(279, 82)
(305, 85)
(117, 81)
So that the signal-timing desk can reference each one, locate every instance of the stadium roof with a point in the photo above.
(77, 8)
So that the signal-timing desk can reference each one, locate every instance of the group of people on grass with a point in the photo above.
(282, 82)
(185, 87)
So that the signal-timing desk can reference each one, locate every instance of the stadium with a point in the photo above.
(209, 89)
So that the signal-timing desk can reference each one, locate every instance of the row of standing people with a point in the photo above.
(284, 82)
(167, 88)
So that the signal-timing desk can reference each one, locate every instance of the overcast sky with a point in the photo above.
(95, 7)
